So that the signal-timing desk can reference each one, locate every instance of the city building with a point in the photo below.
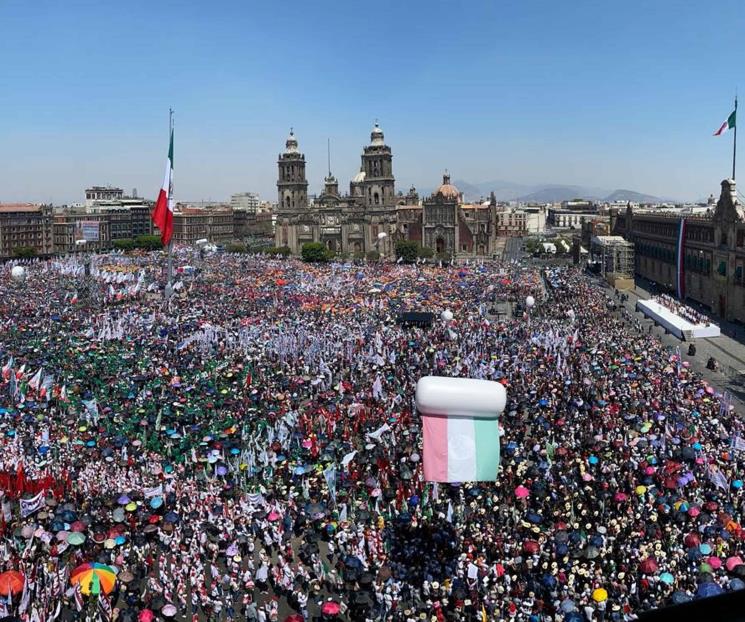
(560, 218)
(25, 225)
(102, 193)
(521, 221)
(352, 223)
(700, 256)
(70, 227)
(190, 224)
(614, 257)
(245, 201)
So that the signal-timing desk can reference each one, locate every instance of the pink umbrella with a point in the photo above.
(146, 616)
(715, 562)
(330, 608)
(732, 562)
(649, 470)
(273, 515)
(694, 511)
(521, 492)
(620, 496)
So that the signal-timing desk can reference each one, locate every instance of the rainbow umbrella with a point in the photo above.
(94, 578)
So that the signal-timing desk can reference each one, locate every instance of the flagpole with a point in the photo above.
(734, 143)
(169, 284)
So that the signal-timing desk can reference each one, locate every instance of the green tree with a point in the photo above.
(372, 255)
(426, 252)
(148, 242)
(24, 252)
(235, 247)
(124, 244)
(407, 250)
(314, 252)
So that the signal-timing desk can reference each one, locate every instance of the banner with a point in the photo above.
(29, 506)
(88, 230)
(157, 491)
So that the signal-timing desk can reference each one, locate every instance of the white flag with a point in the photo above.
(379, 432)
(348, 458)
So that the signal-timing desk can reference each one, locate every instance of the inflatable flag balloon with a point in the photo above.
(461, 438)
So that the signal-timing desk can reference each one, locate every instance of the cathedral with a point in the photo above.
(353, 223)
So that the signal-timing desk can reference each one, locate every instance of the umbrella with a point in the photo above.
(169, 611)
(599, 595)
(705, 590)
(146, 616)
(11, 582)
(330, 608)
(531, 547)
(591, 552)
(94, 578)
(733, 562)
(667, 578)
(648, 566)
(521, 492)
(76, 538)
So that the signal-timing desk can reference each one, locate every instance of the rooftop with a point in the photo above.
(19, 207)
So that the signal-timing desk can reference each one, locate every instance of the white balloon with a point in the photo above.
(382, 235)
(529, 301)
(570, 314)
(18, 274)
(446, 315)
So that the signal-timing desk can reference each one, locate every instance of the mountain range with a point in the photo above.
(545, 193)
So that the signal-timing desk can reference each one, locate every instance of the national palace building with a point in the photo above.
(699, 257)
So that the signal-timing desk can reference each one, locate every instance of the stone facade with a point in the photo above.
(25, 225)
(352, 223)
(713, 252)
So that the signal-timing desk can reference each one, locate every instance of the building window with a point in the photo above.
(376, 198)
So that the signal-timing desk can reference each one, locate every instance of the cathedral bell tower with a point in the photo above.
(377, 183)
(292, 186)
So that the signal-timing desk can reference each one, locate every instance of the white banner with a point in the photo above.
(29, 506)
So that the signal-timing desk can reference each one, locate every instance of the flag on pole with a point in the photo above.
(163, 211)
(729, 124)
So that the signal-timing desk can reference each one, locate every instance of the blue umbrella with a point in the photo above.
(548, 581)
(350, 561)
(156, 502)
(666, 577)
(706, 590)
(567, 606)
(299, 470)
(736, 584)
(534, 518)
(171, 517)
(592, 460)
(574, 616)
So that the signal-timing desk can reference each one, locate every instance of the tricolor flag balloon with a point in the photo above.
(461, 436)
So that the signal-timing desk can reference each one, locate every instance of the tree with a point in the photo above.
(124, 244)
(148, 242)
(407, 250)
(373, 255)
(314, 252)
(235, 247)
(24, 252)
(426, 253)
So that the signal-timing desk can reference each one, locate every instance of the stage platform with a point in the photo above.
(678, 326)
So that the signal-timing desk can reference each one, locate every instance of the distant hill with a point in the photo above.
(556, 194)
(541, 193)
(634, 197)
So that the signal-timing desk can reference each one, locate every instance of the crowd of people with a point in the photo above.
(681, 309)
(250, 450)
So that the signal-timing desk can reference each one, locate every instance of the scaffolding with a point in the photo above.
(615, 256)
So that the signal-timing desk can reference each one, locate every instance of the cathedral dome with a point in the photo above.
(376, 136)
(448, 190)
(359, 177)
(291, 144)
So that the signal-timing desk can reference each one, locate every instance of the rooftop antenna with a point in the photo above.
(328, 151)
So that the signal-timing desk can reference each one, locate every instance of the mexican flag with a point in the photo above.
(163, 211)
(729, 124)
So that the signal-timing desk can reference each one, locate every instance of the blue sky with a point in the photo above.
(609, 94)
